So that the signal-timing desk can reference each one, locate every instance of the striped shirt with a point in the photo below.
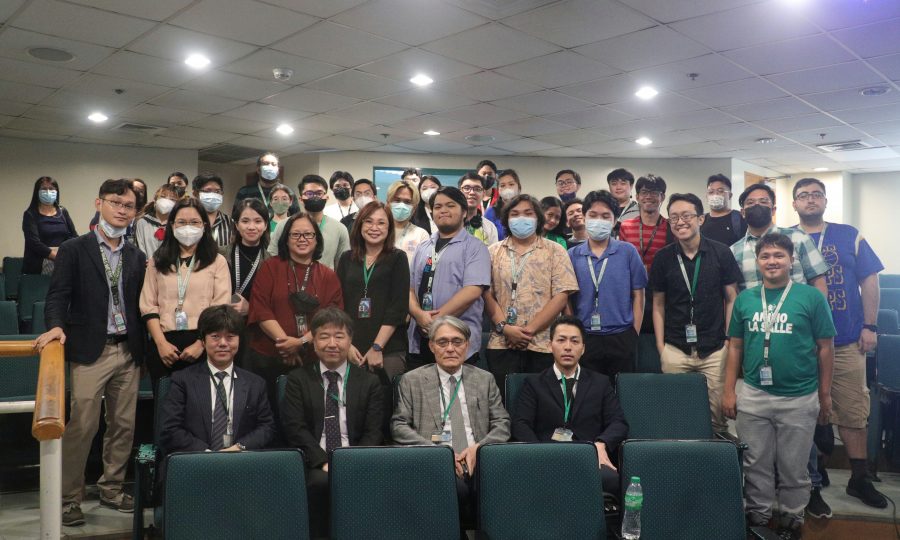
(808, 262)
(654, 238)
(221, 231)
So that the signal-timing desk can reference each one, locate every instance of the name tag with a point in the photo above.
(595, 321)
(365, 308)
(512, 315)
(181, 320)
(441, 437)
(562, 435)
(120, 322)
(428, 302)
(690, 333)
(765, 376)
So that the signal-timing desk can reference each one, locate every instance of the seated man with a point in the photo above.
(215, 405)
(567, 403)
(451, 403)
(328, 404)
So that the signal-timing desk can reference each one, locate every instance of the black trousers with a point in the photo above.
(611, 354)
(269, 368)
(318, 500)
(502, 362)
(180, 339)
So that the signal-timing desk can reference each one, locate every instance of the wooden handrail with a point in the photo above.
(49, 419)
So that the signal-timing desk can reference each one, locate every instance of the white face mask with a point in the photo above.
(211, 201)
(164, 206)
(598, 229)
(188, 235)
(508, 194)
(269, 172)
(111, 231)
(427, 193)
(716, 202)
(363, 200)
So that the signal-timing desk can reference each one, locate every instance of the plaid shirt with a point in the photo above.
(808, 262)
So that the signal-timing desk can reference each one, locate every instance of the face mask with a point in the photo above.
(341, 193)
(188, 235)
(427, 193)
(111, 231)
(179, 191)
(211, 201)
(164, 206)
(401, 211)
(268, 172)
(716, 202)
(566, 197)
(363, 200)
(47, 196)
(598, 229)
(280, 207)
(508, 194)
(758, 216)
(522, 227)
(488, 181)
(314, 205)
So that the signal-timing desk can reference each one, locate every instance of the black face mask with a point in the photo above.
(488, 181)
(341, 193)
(314, 205)
(758, 216)
(303, 302)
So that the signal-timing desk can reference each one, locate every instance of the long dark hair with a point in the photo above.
(498, 205)
(35, 198)
(554, 202)
(284, 253)
(357, 244)
(420, 215)
(257, 206)
(166, 257)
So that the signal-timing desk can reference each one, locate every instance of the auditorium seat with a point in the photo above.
(887, 379)
(888, 322)
(513, 383)
(692, 489)
(12, 272)
(9, 318)
(539, 491)
(393, 493)
(236, 495)
(890, 299)
(2, 286)
(32, 288)
(146, 464)
(665, 406)
(647, 356)
(37, 318)
(889, 281)
(18, 374)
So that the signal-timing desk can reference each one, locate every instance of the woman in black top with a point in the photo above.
(46, 225)
(374, 278)
(428, 186)
(249, 240)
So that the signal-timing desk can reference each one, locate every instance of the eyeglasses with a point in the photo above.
(472, 189)
(646, 194)
(120, 206)
(566, 183)
(814, 195)
(193, 223)
(687, 218)
(720, 191)
(313, 194)
(308, 236)
(455, 342)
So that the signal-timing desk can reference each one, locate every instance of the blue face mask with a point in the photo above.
(598, 229)
(522, 227)
(47, 196)
(401, 211)
(566, 197)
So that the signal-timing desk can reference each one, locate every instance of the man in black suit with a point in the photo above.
(567, 403)
(327, 404)
(214, 405)
(92, 309)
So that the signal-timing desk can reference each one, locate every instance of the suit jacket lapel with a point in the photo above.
(93, 253)
(584, 389)
(431, 389)
(205, 401)
(317, 398)
(472, 393)
(555, 389)
(239, 402)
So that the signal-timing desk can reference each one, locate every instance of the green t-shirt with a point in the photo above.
(804, 317)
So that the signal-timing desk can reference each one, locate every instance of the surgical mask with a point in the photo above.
(401, 211)
(363, 200)
(112, 231)
(508, 194)
(598, 229)
(164, 206)
(341, 193)
(566, 197)
(522, 227)
(280, 207)
(716, 202)
(427, 193)
(314, 205)
(211, 201)
(188, 235)
(758, 216)
(47, 196)
(269, 172)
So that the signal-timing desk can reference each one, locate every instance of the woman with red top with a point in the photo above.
(287, 292)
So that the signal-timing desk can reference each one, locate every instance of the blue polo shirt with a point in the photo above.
(625, 272)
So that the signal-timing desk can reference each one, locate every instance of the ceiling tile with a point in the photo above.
(542, 103)
(156, 10)
(54, 114)
(306, 99)
(888, 65)
(881, 113)
(460, 136)
(161, 141)
(101, 85)
(37, 74)
(81, 23)
(776, 108)
(262, 144)
(359, 85)
(835, 14)
(425, 122)
(674, 138)
(482, 150)
(19, 134)
(694, 119)
(727, 131)
(300, 148)
(557, 69)
(491, 46)
(13, 108)
(563, 152)
(532, 127)
(791, 55)
(837, 77)
(664, 103)
(871, 40)
(42, 126)
(197, 101)
(880, 128)
(319, 8)
(332, 124)
(808, 121)
(831, 135)
(646, 48)
(26, 93)
(494, 9)
(88, 103)
(376, 113)
(524, 145)
(243, 20)
(710, 69)
(5, 120)
(667, 12)
(341, 142)
(638, 128)
(595, 117)
(235, 125)
(140, 67)
(197, 134)
(574, 137)
(377, 134)
(318, 42)
(603, 91)
(404, 65)
(426, 100)
(482, 114)
(434, 144)
(734, 93)
(161, 116)
(409, 21)
(8, 8)
(693, 149)
(266, 113)
(608, 147)
(260, 64)
(300, 134)
(576, 22)
(487, 86)
(235, 86)
(176, 44)
(14, 43)
(849, 99)
(394, 149)
(645, 153)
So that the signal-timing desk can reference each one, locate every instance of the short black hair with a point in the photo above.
(600, 196)
(312, 179)
(340, 175)
(535, 204)
(452, 192)
(719, 178)
(264, 154)
(333, 316)
(803, 182)
(753, 188)
(620, 174)
(365, 181)
(569, 171)
(471, 175)
(412, 171)
(688, 198)
(487, 162)
(651, 182)
(775, 239)
(221, 318)
(567, 320)
(571, 202)
(283, 251)
(206, 177)
(179, 175)
(114, 187)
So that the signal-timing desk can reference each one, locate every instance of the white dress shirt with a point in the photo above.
(338, 212)
(559, 376)
(342, 409)
(227, 384)
(460, 396)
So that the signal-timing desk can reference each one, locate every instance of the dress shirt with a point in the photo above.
(559, 377)
(228, 383)
(342, 408)
(460, 396)
(113, 255)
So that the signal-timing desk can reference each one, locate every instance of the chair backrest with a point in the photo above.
(540, 490)
(18, 374)
(513, 383)
(236, 495)
(890, 299)
(12, 271)
(162, 390)
(37, 318)
(887, 358)
(665, 405)
(889, 281)
(692, 489)
(9, 318)
(647, 355)
(32, 288)
(393, 492)
(888, 322)
(2, 287)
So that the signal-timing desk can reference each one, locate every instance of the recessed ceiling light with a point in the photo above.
(765, 140)
(50, 54)
(98, 117)
(421, 80)
(284, 129)
(643, 141)
(646, 92)
(431, 132)
(874, 91)
(197, 61)
(820, 169)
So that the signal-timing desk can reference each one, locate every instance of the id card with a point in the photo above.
(765, 376)
(428, 301)
(365, 308)
(512, 315)
(120, 322)
(562, 435)
(181, 319)
(595, 321)
(301, 324)
(690, 333)
(441, 437)
(227, 440)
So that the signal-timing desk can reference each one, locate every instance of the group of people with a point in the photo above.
(345, 297)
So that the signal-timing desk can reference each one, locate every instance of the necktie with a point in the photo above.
(457, 426)
(220, 417)
(570, 390)
(332, 413)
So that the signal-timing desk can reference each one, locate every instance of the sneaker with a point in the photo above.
(72, 515)
(789, 534)
(863, 490)
(125, 504)
(817, 507)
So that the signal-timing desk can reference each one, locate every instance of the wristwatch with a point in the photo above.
(872, 327)
(376, 347)
(499, 327)
(241, 447)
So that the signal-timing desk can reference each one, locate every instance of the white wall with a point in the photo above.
(785, 214)
(874, 201)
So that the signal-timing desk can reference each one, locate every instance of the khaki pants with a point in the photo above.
(849, 393)
(673, 360)
(113, 378)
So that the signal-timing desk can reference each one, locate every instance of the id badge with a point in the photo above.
(690, 333)
(227, 440)
(595, 321)
(301, 324)
(441, 437)
(512, 315)
(428, 301)
(365, 308)
(181, 319)
(765, 376)
(562, 435)
(120, 322)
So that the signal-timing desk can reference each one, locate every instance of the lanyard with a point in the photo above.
(367, 275)
(182, 284)
(692, 285)
(262, 194)
(305, 277)
(595, 278)
(342, 399)
(822, 236)
(652, 235)
(432, 267)
(219, 396)
(566, 402)
(767, 327)
(452, 398)
(112, 277)
(237, 269)
(322, 225)
(517, 270)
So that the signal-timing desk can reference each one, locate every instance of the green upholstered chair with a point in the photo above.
(12, 272)
(147, 462)
(888, 322)
(665, 406)
(236, 495)
(32, 288)
(37, 318)
(513, 383)
(889, 281)
(9, 318)
(647, 356)
(890, 299)
(539, 491)
(692, 489)
(18, 374)
(393, 492)
(2, 286)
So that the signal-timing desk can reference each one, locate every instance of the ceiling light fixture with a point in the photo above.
(284, 129)
(197, 61)
(431, 132)
(643, 141)
(421, 80)
(820, 169)
(874, 91)
(98, 117)
(646, 92)
(765, 140)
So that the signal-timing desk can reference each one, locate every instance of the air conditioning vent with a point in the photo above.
(843, 146)
(145, 129)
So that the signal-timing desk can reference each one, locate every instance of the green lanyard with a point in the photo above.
(692, 288)
(182, 284)
(566, 402)
(367, 275)
(342, 399)
(452, 399)
(112, 277)
(322, 225)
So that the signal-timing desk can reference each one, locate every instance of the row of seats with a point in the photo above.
(19, 296)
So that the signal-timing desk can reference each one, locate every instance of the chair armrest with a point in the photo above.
(727, 436)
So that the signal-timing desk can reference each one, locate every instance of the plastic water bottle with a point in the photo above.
(634, 500)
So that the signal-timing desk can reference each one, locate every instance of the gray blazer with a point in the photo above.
(418, 413)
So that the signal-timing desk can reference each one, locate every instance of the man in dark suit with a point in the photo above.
(92, 309)
(328, 404)
(567, 403)
(214, 405)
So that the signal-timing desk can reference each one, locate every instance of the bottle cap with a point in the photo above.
(635, 479)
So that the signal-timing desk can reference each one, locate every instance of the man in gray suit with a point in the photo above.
(451, 403)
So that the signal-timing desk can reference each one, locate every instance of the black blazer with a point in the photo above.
(35, 249)
(595, 416)
(187, 411)
(78, 298)
(303, 411)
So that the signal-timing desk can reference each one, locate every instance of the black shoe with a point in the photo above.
(820, 465)
(863, 490)
(817, 507)
(72, 515)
